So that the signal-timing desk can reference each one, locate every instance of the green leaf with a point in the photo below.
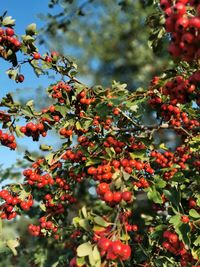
(197, 241)
(80, 261)
(43, 207)
(100, 221)
(12, 244)
(84, 249)
(27, 39)
(76, 221)
(84, 212)
(84, 224)
(30, 103)
(49, 158)
(96, 254)
(18, 132)
(154, 195)
(159, 183)
(91, 260)
(1, 227)
(44, 147)
(174, 197)
(93, 162)
(126, 175)
(8, 21)
(110, 152)
(62, 109)
(182, 229)
(138, 154)
(12, 74)
(29, 157)
(31, 29)
(175, 220)
(194, 214)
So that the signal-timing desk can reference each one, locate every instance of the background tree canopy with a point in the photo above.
(108, 39)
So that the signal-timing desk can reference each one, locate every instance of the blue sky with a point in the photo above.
(25, 13)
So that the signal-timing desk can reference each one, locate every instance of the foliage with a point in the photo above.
(105, 38)
(110, 195)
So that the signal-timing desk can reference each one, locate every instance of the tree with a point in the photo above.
(105, 38)
(112, 194)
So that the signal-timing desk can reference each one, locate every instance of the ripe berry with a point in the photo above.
(10, 32)
(127, 196)
(20, 78)
(36, 56)
(185, 219)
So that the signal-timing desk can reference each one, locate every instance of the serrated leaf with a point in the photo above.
(84, 249)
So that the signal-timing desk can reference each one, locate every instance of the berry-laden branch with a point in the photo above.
(144, 210)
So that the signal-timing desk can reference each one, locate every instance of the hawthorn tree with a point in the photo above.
(111, 195)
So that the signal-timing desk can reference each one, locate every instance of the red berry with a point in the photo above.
(127, 196)
(108, 197)
(10, 32)
(36, 56)
(185, 219)
(20, 78)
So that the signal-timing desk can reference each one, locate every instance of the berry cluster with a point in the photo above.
(45, 228)
(12, 204)
(168, 159)
(114, 143)
(8, 40)
(8, 140)
(142, 183)
(58, 91)
(114, 249)
(54, 114)
(83, 99)
(184, 26)
(112, 197)
(35, 178)
(176, 247)
(4, 116)
(177, 118)
(34, 130)
(178, 89)
(102, 172)
(66, 132)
